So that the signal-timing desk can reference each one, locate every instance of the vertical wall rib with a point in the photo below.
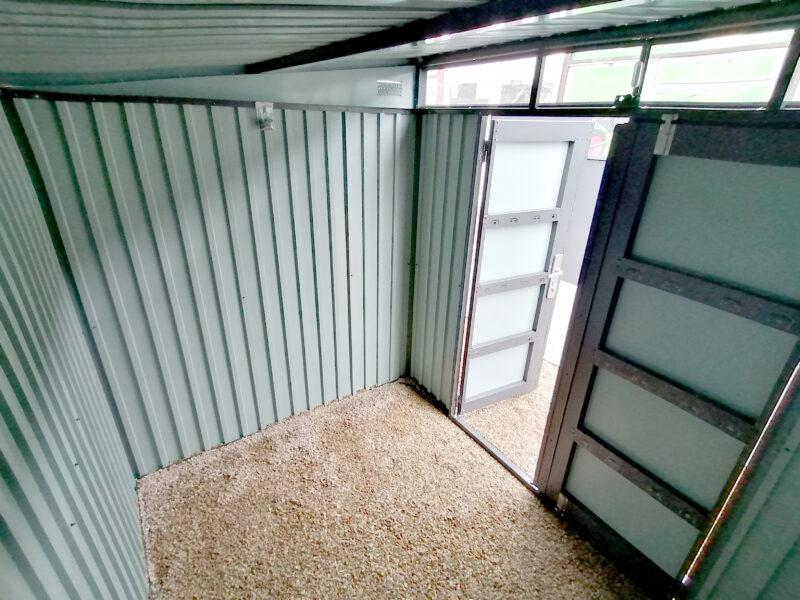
(69, 526)
(448, 153)
(231, 277)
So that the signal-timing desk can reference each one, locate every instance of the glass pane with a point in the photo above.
(496, 370)
(734, 222)
(733, 68)
(503, 82)
(728, 358)
(513, 251)
(650, 526)
(689, 454)
(526, 175)
(594, 76)
(503, 314)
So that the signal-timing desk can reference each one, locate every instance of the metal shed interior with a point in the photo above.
(174, 276)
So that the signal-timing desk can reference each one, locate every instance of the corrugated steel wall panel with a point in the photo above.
(232, 277)
(449, 147)
(62, 41)
(68, 524)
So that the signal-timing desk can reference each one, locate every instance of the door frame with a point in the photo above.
(634, 151)
(500, 129)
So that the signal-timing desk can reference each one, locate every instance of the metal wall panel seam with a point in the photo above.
(355, 206)
(282, 233)
(337, 223)
(303, 261)
(369, 189)
(386, 162)
(422, 255)
(416, 187)
(319, 208)
(276, 324)
(256, 195)
(403, 207)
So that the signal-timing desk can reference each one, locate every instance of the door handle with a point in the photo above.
(554, 276)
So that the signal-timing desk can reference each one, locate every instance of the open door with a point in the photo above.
(531, 173)
(684, 339)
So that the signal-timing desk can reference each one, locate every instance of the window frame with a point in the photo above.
(696, 37)
(789, 73)
(422, 81)
(592, 48)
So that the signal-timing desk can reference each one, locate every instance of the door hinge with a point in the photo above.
(666, 133)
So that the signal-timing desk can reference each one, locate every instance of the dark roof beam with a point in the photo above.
(453, 21)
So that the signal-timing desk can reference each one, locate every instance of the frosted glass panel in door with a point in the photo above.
(505, 313)
(513, 251)
(526, 175)
(496, 370)
(736, 222)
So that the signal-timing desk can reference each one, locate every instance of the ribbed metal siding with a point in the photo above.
(68, 520)
(231, 277)
(447, 169)
(70, 42)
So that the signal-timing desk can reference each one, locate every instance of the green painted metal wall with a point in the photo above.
(231, 277)
(448, 152)
(68, 518)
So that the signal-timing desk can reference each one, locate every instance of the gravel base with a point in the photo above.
(375, 496)
(516, 425)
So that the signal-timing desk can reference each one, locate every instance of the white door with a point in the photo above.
(533, 165)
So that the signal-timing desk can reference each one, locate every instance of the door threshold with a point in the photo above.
(497, 454)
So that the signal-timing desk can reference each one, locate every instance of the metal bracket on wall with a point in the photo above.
(265, 115)
(666, 134)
